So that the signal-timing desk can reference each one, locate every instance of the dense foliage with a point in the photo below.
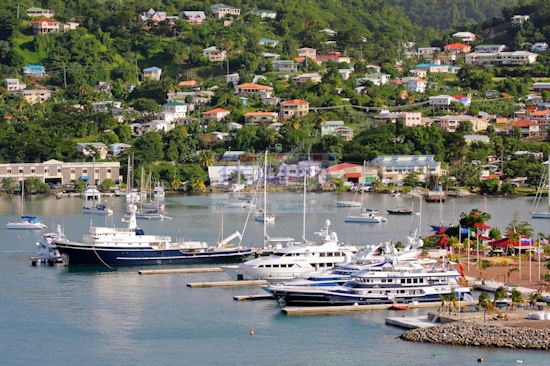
(111, 45)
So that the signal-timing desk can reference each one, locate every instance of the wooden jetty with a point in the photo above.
(179, 270)
(228, 283)
(253, 297)
(316, 310)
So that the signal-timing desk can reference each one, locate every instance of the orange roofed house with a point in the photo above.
(250, 88)
(526, 127)
(216, 114)
(458, 48)
(295, 107)
(257, 117)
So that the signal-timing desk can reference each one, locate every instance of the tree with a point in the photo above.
(149, 147)
(411, 179)
(106, 185)
(519, 227)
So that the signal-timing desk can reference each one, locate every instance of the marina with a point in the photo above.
(158, 311)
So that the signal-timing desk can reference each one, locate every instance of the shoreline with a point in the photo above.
(510, 329)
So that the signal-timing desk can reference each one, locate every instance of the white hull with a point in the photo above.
(366, 217)
(348, 204)
(24, 225)
(540, 215)
(97, 210)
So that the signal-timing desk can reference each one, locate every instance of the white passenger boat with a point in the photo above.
(296, 260)
(47, 251)
(388, 285)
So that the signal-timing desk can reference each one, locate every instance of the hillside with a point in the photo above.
(450, 14)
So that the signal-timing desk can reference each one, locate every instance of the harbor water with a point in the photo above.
(60, 316)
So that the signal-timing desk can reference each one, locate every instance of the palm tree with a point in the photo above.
(517, 298)
(206, 158)
(448, 301)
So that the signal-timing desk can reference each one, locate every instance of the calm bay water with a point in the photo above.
(53, 316)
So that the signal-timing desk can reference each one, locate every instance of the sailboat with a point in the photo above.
(148, 210)
(538, 198)
(261, 214)
(26, 222)
(96, 207)
(365, 216)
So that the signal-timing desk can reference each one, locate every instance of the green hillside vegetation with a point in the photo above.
(450, 14)
(111, 46)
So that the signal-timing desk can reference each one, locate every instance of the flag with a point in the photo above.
(461, 269)
(544, 241)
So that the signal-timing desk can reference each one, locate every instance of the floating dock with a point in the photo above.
(253, 297)
(179, 270)
(411, 322)
(228, 283)
(316, 310)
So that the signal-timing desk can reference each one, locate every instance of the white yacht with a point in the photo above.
(388, 285)
(296, 259)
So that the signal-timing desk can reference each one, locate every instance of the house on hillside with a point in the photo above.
(193, 17)
(246, 89)
(526, 127)
(518, 20)
(152, 16)
(490, 48)
(45, 26)
(174, 111)
(295, 107)
(90, 148)
(117, 148)
(215, 115)
(271, 14)
(394, 168)
(35, 96)
(501, 58)
(152, 73)
(457, 48)
(220, 11)
(284, 66)
(40, 13)
(268, 42)
(334, 56)
(14, 85)
(466, 37)
(255, 118)
(214, 54)
(312, 77)
(307, 52)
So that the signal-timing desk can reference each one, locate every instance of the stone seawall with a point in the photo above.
(467, 333)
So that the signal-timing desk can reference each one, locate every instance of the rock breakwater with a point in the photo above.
(465, 333)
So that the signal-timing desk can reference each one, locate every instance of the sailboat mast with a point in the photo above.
(304, 211)
(265, 199)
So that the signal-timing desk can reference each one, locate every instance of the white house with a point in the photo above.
(152, 73)
(465, 36)
(174, 111)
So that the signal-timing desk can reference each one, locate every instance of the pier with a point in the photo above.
(228, 284)
(316, 310)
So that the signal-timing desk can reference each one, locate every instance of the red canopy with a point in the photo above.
(481, 225)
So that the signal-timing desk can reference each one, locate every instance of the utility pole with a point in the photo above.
(137, 72)
(64, 76)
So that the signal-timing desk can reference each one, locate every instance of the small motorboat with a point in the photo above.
(399, 307)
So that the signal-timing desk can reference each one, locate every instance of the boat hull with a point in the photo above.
(540, 215)
(80, 255)
(335, 298)
(399, 212)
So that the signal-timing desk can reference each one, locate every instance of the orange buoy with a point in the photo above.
(251, 332)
